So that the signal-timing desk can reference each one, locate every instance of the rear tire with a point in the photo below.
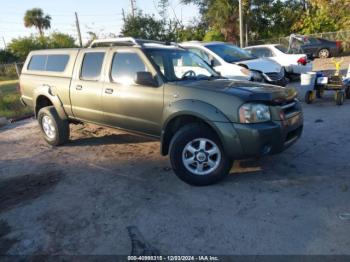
(197, 156)
(347, 92)
(54, 129)
(323, 53)
(339, 97)
(309, 97)
(319, 93)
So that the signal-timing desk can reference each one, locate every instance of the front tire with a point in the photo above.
(197, 156)
(54, 129)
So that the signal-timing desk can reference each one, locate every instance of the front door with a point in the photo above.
(87, 87)
(126, 104)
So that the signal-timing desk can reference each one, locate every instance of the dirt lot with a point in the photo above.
(108, 189)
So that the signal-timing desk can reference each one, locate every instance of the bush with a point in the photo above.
(22, 46)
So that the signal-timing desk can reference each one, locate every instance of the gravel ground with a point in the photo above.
(107, 189)
(327, 64)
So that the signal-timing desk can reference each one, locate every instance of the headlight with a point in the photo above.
(245, 71)
(254, 113)
(256, 76)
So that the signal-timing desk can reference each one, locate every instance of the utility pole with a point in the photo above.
(3, 39)
(133, 7)
(78, 29)
(241, 34)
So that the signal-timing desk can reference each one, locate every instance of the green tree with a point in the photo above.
(196, 31)
(21, 47)
(148, 27)
(324, 16)
(163, 8)
(7, 57)
(35, 17)
(60, 40)
(213, 35)
(142, 26)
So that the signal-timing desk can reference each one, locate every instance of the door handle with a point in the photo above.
(109, 91)
(79, 87)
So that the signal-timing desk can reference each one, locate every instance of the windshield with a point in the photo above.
(230, 53)
(179, 65)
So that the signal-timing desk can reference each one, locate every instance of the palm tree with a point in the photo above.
(35, 17)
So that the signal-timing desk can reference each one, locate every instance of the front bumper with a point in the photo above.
(269, 138)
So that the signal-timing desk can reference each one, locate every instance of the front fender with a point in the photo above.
(211, 116)
(193, 107)
(49, 92)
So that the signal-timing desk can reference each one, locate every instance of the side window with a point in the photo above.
(205, 56)
(261, 52)
(202, 54)
(92, 66)
(37, 63)
(159, 63)
(125, 66)
(57, 63)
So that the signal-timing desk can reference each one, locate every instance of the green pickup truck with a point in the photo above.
(204, 121)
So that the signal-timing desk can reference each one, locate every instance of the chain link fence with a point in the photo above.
(10, 71)
(343, 36)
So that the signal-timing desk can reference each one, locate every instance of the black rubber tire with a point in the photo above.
(319, 93)
(339, 97)
(61, 126)
(180, 140)
(322, 52)
(309, 97)
(347, 92)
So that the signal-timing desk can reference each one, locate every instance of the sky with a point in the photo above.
(101, 16)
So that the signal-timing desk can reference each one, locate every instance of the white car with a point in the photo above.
(293, 63)
(234, 62)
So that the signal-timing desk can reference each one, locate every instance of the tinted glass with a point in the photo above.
(205, 56)
(282, 48)
(125, 66)
(230, 53)
(180, 65)
(261, 52)
(37, 62)
(56, 63)
(92, 65)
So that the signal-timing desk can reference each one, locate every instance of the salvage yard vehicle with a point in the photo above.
(225, 57)
(295, 64)
(203, 120)
(313, 46)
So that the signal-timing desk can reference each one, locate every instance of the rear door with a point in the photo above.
(129, 105)
(87, 86)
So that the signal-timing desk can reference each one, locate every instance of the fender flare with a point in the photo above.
(195, 108)
(49, 93)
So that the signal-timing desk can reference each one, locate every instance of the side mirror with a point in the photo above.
(145, 79)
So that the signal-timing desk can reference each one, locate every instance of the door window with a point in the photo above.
(125, 66)
(261, 52)
(92, 66)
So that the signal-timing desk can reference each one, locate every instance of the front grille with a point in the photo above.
(290, 109)
(274, 76)
(293, 135)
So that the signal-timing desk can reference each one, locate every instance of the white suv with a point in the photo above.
(233, 62)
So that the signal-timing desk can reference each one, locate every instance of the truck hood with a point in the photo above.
(264, 65)
(247, 91)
